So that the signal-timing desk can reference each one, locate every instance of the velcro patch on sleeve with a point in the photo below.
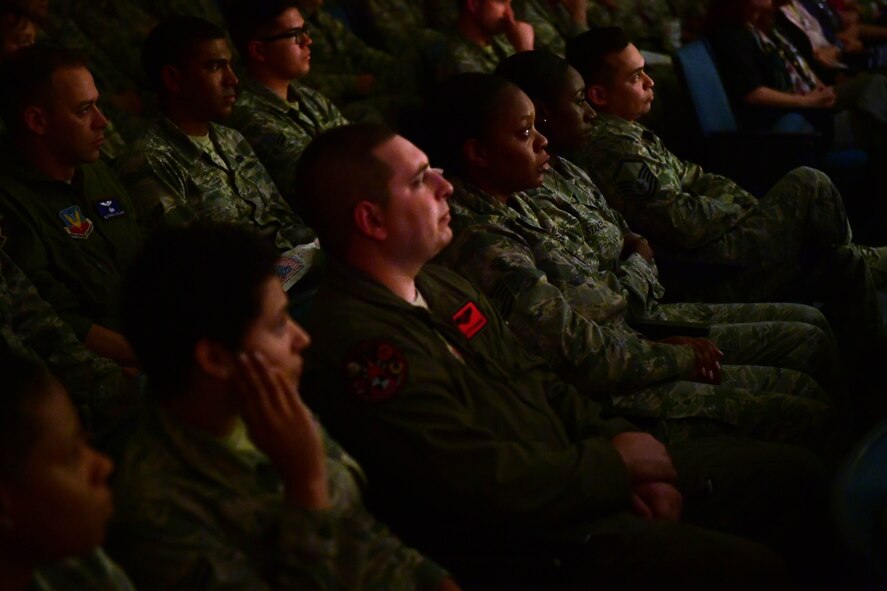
(469, 320)
(375, 371)
(634, 179)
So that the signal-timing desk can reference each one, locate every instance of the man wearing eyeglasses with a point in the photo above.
(278, 115)
(188, 167)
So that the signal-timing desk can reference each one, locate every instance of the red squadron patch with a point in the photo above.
(469, 320)
(375, 371)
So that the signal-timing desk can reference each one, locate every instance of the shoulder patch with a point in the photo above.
(375, 371)
(469, 320)
(77, 225)
(634, 179)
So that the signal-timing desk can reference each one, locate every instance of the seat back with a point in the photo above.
(705, 88)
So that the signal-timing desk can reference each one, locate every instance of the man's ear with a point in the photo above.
(596, 95)
(35, 119)
(370, 221)
(213, 359)
(475, 154)
(255, 49)
(171, 78)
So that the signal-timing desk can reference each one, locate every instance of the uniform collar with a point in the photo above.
(179, 141)
(267, 98)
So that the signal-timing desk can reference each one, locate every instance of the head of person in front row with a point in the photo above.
(54, 494)
(563, 115)
(17, 30)
(188, 61)
(613, 70)
(49, 103)
(273, 41)
(374, 200)
(483, 130)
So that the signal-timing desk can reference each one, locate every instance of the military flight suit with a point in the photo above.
(93, 572)
(506, 463)
(279, 130)
(567, 304)
(73, 241)
(793, 243)
(193, 512)
(174, 181)
(30, 326)
(464, 55)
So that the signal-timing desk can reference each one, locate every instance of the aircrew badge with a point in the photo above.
(634, 178)
(469, 320)
(109, 208)
(77, 225)
(375, 371)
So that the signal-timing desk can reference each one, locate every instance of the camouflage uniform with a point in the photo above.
(174, 181)
(198, 512)
(73, 241)
(279, 130)
(464, 55)
(93, 572)
(641, 19)
(400, 26)
(30, 326)
(338, 57)
(569, 305)
(552, 24)
(795, 242)
(509, 468)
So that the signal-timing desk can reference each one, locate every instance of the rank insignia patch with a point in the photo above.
(635, 179)
(469, 320)
(77, 225)
(109, 208)
(375, 371)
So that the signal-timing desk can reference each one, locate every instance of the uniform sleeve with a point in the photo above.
(640, 278)
(596, 358)
(97, 386)
(648, 190)
(157, 188)
(457, 463)
(24, 244)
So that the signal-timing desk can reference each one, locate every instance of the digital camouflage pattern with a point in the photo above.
(280, 130)
(174, 181)
(795, 242)
(641, 19)
(93, 572)
(567, 304)
(193, 512)
(29, 326)
(464, 55)
(552, 24)
(401, 26)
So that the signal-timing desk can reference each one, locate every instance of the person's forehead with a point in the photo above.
(212, 49)
(289, 18)
(573, 82)
(402, 156)
(626, 61)
(75, 84)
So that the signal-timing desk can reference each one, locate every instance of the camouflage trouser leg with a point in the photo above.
(791, 336)
(761, 402)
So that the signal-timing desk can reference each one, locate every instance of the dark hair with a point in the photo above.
(539, 73)
(588, 52)
(730, 13)
(26, 79)
(25, 382)
(460, 109)
(248, 20)
(188, 284)
(172, 41)
(335, 172)
(11, 16)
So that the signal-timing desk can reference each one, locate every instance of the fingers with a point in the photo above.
(640, 508)
(662, 499)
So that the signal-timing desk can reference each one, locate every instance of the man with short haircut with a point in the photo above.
(793, 243)
(275, 112)
(67, 221)
(485, 33)
(511, 470)
(188, 167)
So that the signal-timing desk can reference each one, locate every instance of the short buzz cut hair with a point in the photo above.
(248, 20)
(172, 41)
(337, 171)
(26, 79)
(191, 283)
(588, 53)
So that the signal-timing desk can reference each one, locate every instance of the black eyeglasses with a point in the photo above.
(299, 35)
